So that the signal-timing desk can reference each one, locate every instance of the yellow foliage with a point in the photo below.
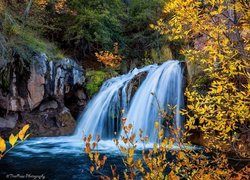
(13, 140)
(22, 133)
(42, 3)
(109, 59)
(187, 164)
(60, 5)
(224, 52)
(2, 145)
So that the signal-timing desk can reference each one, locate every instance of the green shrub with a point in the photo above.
(95, 79)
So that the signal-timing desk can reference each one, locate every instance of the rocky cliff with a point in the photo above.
(48, 95)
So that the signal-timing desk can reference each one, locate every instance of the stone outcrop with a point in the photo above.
(45, 96)
(134, 84)
(53, 121)
(9, 121)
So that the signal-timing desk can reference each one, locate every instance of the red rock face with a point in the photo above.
(39, 97)
(36, 85)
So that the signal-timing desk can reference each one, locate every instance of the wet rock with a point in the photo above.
(15, 104)
(48, 105)
(64, 75)
(41, 95)
(80, 94)
(46, 79)
(134, 84)
(76, 101)
(66, 122)
(36, 82)
(50, 122)
(8, 121)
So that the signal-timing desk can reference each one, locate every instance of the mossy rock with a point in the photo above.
(95, 79)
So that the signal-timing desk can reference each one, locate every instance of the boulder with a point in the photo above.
(48, 105)
(50, 122)
(80, 94)
(64, 75)
(9, 121)
(65, 122)
(134, 84)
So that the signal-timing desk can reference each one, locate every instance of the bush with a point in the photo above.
(96, 78)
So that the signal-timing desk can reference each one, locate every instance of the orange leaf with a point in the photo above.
(21, 133)
(2, 145)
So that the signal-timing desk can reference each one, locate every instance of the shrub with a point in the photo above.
(96, 78)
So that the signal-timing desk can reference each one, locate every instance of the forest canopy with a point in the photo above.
(82, 28)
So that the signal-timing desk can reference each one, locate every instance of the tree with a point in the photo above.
(139, 37)
(95, 25)
(222, 114)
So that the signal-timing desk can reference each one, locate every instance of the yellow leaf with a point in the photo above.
(155, 148)
(173, 176)
(13, 139)
(181, 155)
(2, 145)
(129, 160)
(21, 133)
(213, 2)
(130, 152)
(170, 144)
(160, 134)
(91, 156)
(219, 89)
(190, 107)
(132, 138)
(156, 125)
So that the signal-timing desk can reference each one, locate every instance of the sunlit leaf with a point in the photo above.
(21, 133)
(2, 145)
(13, 139)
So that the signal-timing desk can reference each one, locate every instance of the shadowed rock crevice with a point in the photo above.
(39, 95)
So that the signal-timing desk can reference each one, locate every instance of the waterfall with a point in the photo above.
(166, 83)
(103, 113)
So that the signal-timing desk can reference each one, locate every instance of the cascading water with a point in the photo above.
(162, 87)
(63, 158)
(102, 115)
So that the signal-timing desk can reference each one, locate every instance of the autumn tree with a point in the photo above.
(222, 29)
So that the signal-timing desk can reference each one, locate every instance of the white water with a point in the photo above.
(166, 83)
(103, 113)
